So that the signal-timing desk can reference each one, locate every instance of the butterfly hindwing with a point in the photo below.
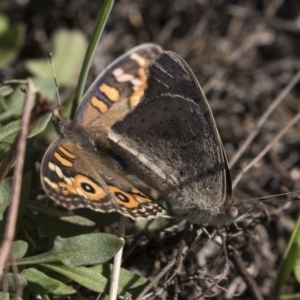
(75, 182)
(64, 180)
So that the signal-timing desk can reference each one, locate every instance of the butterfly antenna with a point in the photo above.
(54, 77)
(266, 198)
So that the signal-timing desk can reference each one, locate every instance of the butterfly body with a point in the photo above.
(79, 169)
(165, 135)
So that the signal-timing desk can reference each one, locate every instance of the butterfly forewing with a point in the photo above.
(172, 141)
(118, 89)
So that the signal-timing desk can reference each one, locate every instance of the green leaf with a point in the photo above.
(4, 24)
(19, 249)
(160, 224)
(100, 24)
(90, 278)
(46, 86)
(5, 90)
(88, 249)
(288, 262)
(4, 296)
(297, 269)
(78, 220)
(15, 101)
(290, 297)
(68, 47)
(97, 278)
(5, 191)
(41, 283)
(129, 283)
(153, 226)
(9, 132)
(11, 40)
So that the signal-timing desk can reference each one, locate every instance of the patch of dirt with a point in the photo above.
(243, 53)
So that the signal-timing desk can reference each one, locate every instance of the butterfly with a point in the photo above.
(79, 170)
(171, 142)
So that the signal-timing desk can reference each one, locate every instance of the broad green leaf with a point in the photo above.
(160, 224)
(97, 278)
(88, 249)
(78, 220)
(15, 101)
(9, 132)
(19, 249)
(46, 86)
(4, 24)
(88, 277)
(100, 219)
(41, 283)
(129, 283)
(5, 90)
(5, 191)
(4, 296)
(11, 40)
(68, 47)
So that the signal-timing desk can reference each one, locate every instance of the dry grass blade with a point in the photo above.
(113, 292)
(268, 147)
(264, 117)
(17, 181)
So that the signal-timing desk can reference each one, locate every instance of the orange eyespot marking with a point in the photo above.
(139, 92)
(66, 152)
(62, 160)
(123, 198)
(100, 105)
(88, 188)
(110, 92)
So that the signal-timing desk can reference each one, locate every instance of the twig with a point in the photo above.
(157, 278)
(252, 286)
(17, 180)
(272, 8)
(256, 38)
(113, 291)
(267, 148)
(42, 106)
(183, 252)
(264, 117)
(221, 276)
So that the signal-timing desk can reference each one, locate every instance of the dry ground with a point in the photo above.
(243, 54)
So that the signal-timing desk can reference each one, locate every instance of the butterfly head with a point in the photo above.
(231, 212)
(61, 124)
